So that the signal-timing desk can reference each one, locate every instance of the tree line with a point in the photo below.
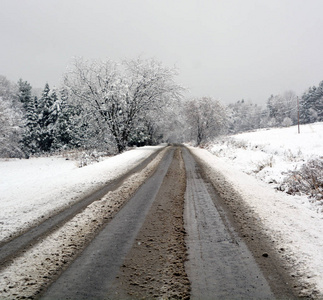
(110, 106)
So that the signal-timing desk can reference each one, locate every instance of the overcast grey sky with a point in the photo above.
(226, 49)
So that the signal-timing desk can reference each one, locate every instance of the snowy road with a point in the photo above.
(231, 253)
(27, 239)
(92, 274)
(220, 265)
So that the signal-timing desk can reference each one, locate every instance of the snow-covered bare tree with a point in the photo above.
(282, 109)
(10, 119)
(244, 116)
(173, 123)
(207, 118)
(10, 130)
(118, 95)
(8, 90)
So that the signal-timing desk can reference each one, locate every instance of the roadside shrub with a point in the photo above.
(292, 157)
(84, 157)
(238, 144)
(307, 180)
(287, 122)
(90, 157)
(269, 162)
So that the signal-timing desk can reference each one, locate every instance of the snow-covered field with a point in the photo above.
(31, 189)
(268, 154)
(253, 164)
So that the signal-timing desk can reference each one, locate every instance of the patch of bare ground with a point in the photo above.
(29, 274)
(154, 267)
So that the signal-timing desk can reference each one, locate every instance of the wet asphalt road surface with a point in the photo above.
(92, 274)
(219, 264)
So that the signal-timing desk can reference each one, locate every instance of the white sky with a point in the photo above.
(226, 49)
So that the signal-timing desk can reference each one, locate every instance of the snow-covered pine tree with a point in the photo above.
(66, 125)
(48, 110)
(305, 106)
(24, 93)
(45, 107)
(29, 139)
(318, 104)
(311, 105)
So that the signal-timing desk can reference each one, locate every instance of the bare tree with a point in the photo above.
(10, 120)
(206, 117)
(282, 109)
(118, 95)
(244, 116)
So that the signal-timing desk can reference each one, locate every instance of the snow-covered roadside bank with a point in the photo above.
(33, 189)
(268, 155)
(292, 225)
(28, 274)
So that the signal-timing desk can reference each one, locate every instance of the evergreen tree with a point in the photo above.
(41, 116)
(143, 133)
(48, 114)
(24, 93)
(45, 106)
(318, 104)
(30, 135)
(66, 127)
(51, 123)
(310, 105)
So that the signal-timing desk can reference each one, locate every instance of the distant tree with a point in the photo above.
(118, 95)
(306, 104)
(8, 90)
(48, 123)
(143, 134)
(47, 115)
(291, 106)
(46, 108)
(311, 105)
(275, 105)
(287, 122)
(207, 118)
(66, 129)
(30, 135)
(171, 125)
(243, 116)
(10, 120)
(24, 93)
(282, 109)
